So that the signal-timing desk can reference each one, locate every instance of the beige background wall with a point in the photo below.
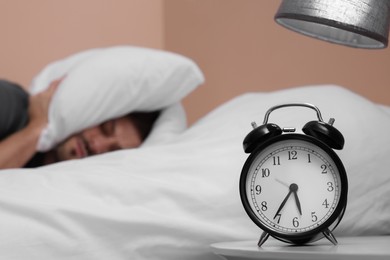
(240, 48)
(34, 33)
(235, 42)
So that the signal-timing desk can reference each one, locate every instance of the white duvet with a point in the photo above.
(172, 200)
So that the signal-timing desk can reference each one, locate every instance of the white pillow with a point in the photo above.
(171, 122)
(106, 83)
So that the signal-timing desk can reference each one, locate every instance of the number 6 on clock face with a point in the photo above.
(294, 187)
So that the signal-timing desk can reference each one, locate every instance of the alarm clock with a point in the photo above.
(293, 185)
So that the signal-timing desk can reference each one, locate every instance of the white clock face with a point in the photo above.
(293, 186)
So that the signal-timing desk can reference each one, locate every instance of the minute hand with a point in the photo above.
(283, 203)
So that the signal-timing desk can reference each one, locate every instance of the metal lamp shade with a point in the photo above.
(355, 23)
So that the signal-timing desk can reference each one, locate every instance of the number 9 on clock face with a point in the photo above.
(293, 187)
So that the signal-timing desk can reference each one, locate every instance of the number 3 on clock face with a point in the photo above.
(292, 187)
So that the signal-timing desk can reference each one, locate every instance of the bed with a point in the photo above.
(178, 193)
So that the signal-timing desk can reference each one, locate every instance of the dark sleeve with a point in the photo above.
(13, 108)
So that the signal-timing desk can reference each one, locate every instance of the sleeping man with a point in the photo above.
(23, 117)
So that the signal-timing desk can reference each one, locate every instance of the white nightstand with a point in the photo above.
(348, 248)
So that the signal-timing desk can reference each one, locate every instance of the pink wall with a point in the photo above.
(34, 33)
(240, 48)
(235, 42)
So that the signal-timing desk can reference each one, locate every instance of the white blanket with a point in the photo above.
(172, 200)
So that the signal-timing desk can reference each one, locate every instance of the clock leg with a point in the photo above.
(263, 238)
(330, 236)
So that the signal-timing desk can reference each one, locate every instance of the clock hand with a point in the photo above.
(282, 182)
(294, 189)
(297, 202)
(283, 203)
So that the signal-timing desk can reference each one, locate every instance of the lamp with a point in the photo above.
(355, 23)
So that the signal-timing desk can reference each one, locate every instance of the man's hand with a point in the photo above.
(39, 104)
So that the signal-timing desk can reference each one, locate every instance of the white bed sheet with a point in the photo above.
(172, 201)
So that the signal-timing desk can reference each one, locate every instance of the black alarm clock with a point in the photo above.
(293, 185)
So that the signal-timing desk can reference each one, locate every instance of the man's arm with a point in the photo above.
(18, 148)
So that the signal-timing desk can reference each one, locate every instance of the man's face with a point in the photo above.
(112, 135)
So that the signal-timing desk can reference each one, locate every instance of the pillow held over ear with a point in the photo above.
(107, 83)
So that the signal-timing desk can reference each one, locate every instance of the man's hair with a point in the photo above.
(144, 121)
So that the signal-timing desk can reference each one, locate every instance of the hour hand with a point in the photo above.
(294, 189)
(297, 202)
